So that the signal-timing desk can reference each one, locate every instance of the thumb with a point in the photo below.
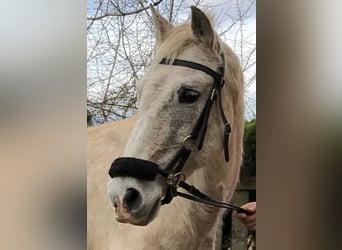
(251, 206)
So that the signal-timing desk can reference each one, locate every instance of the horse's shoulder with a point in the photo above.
(111, 125)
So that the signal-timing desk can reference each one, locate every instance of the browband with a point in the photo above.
(187, 64)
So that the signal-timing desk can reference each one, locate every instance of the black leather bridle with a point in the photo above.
(147, 170)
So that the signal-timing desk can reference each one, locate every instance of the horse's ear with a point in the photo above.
(201, 27)
(161, 25)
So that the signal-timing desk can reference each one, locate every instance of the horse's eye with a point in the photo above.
(187, 95)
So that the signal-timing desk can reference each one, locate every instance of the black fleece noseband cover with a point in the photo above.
(136, 168)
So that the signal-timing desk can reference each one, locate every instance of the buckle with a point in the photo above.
(222, 82)
(227, 128)
(189, 143)
(175, 179)
(213, 96)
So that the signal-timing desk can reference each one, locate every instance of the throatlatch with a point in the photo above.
(148, 171)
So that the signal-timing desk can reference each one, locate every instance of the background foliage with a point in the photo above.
(249, 144)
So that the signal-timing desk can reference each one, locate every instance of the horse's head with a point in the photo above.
(171, 100)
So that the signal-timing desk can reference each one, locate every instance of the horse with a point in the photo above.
(126, 212)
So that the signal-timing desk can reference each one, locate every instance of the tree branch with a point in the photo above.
(120, 13)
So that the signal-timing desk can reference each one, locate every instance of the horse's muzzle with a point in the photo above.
(134, 196)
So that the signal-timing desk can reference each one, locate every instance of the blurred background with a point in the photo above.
(44, 104)
(121, 45)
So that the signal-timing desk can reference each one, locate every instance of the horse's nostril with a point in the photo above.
(132, 199)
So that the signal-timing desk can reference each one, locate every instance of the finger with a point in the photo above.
(250, 219)
(252, 228)
(240, 216)
(251, 206)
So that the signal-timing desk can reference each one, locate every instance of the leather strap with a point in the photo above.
(200, 128)
(227, 129)
(198, 134)
(193, 65)
(202, 198)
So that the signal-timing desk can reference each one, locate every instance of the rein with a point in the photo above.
(147, 170)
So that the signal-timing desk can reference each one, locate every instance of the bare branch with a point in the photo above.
(97, 11)
(121, 45)
(120, 13)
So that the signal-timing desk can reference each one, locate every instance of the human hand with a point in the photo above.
(248, 220)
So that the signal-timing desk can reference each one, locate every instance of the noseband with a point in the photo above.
(148, 171)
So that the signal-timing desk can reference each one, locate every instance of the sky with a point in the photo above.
(223, 6)
(221, 10)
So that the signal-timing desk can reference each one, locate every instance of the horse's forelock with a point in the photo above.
(180, 37)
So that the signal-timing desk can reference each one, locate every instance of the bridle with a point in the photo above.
(174, 177)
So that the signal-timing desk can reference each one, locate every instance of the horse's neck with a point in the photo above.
(185, 223)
